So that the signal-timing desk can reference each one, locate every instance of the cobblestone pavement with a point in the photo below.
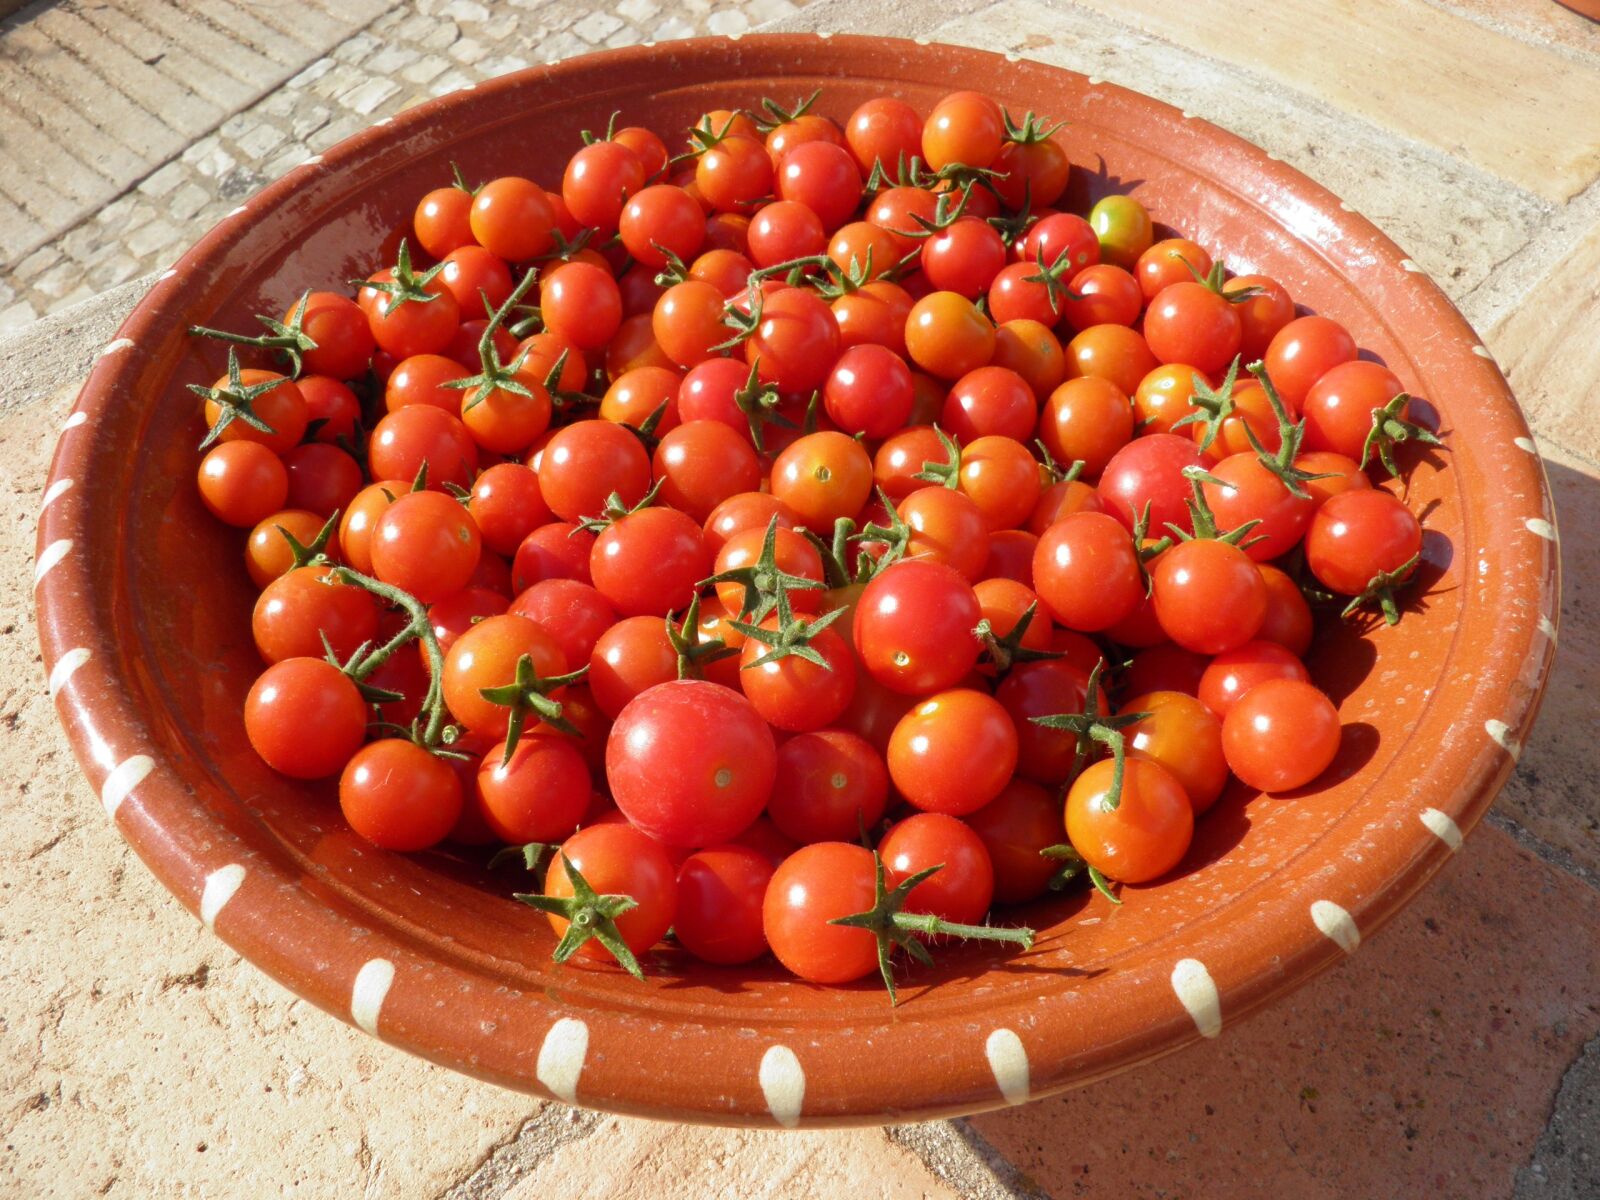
(106, 193)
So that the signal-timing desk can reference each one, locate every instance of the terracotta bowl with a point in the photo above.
(144, 605)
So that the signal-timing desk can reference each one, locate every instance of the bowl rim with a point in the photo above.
(586, 1051)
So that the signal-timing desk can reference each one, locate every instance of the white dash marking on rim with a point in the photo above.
(783, 1083)
(312, 161)
(124, 777)
(1197, 992)
(1407, 264)
(167, 274)
(50, 556)
(1523, 443)
(561, 1055)
(54, 492)
(1500, 734)
(922, 40)
(238, 211)
(219, 888)
(113, 346)
(824, 34)
(1547, 627)
(76, 419)
(1009, 1062)
(1483, 352)
(1013, 56)
(1095, 80)
(1442, 827)
(1186, 114)
(1343, 207)
(367, 996)
(382, 121)
(1337, 925)
(734, 37)
(1539, 527)
(66, 667)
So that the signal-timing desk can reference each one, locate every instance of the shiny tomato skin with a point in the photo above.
(691, 763)
(830, 785)
(796, 341)
(901, 456)
(486, 656)
(405, 439)
(1356, 535)
(953, 752)
(648, 562)
(913, 627)
(964, 127)
(1086, 572)
(1150, 469)
(1260, 315)
(617, 860)
(1112, 352)
(1124, 229)
(427, 544)
(398, 796)
(1141, 839)
(720, 896)
(507, 506)
(243, 483)
(1302, 352)
(947, 527)
(1280, 735)
(1014, 827)
(573, 613)
(340, 329)
(869, 391)
(1208, 595)
(305, 718)
(702, 463)
(1002, 479)
(822, 477)
(883, 130)
(1164, 668)
(1250, 492)
(1233, 673)
(745, 511)
(1087, 418)
(794, 694)
(281, 407)
(559, 550)
(511, 218)
(1105, 295)
(295, 611)
(540, 795)
(1338, 409)
(990, 401)
(1288, 621)
(947, 336)
(1170, 261)
(962, 888)
(588, 460)
(813, 887)
(1044, 688)
(1185, 736)
(1189, 323)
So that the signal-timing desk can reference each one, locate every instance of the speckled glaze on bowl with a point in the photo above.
(143, 614)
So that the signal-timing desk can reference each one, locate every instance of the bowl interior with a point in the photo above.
(479, 990)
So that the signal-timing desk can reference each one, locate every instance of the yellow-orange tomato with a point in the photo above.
(1086, 419)
(1145, 835)
(1112, 352)
(822, 477)
(1185, 737)
(1033, 351)
(1163, 397)
(947, 336)
(964, 127)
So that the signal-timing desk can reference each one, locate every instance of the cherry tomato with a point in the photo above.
(460, 611)
(1014, 827)
(953, 752)
(963, 886)
(1031, 173)
(869, 391)
(507, 506)
(427, 544)
(822, 176)
(1189, 323)
(441, 222)
(280, 407)
(1149, 471)
(964, 257)
(744, 511)
(1338, 409)
(830, 785)
(634, 396)
(421, 379)
(1339, 474)
(539, 795)
(1208, 595)
(486, 656)
(1261, 315)
(793, 554)
(478, 279)
(1112, 352)
(267, 551)
(1123, 228)
(598, 181)
(587, 461)
(243, 483)
(298, 608)
(734, 174)
(1170, 261)
(822, 477)
(1356, 536)
(721, 892)
(573, 613)
(702, 463)
(895, 208)
(617, 860)
(691, 763)
(1086, 571)
(580, 302)
(511, 218)
(1164, 668)
(913, 627)
(883, 130)
(1060, 500)
(1185, 737)
(687, 322)
(902, 456)
(1102, 294)
(1145, 835)
(662, 220)
(398, 796)
(1047, 687)
(333, 404)
(793, 693)
(1011, 556)
(812, 888)
(648, 562)
(1280, 735)
(947, 336)
(559, 550)
(796, 341)
(1002, 480)
(1250, 492)
(1288, 619)
(990, 402)
(1165, 396)
(964, 127)
(305, 718)
(419, 433)
(1088, 418)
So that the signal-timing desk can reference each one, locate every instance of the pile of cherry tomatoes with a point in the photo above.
(804, 541)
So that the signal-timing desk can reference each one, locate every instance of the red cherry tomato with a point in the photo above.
(305, 718)
(953, 752)
(398, 796)
(721, 893)
(1145, 835)
(1280, 735)
(913, 627)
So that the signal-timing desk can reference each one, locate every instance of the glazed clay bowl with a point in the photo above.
(144, 606)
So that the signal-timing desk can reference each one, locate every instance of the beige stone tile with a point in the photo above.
(645, 1160)
(1542, 21)
(1510, 107)
(1549, 348)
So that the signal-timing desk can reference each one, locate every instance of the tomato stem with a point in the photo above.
(236, 401)
(1389, 429)
(892, 927)
(289, 339)
(589, 917)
